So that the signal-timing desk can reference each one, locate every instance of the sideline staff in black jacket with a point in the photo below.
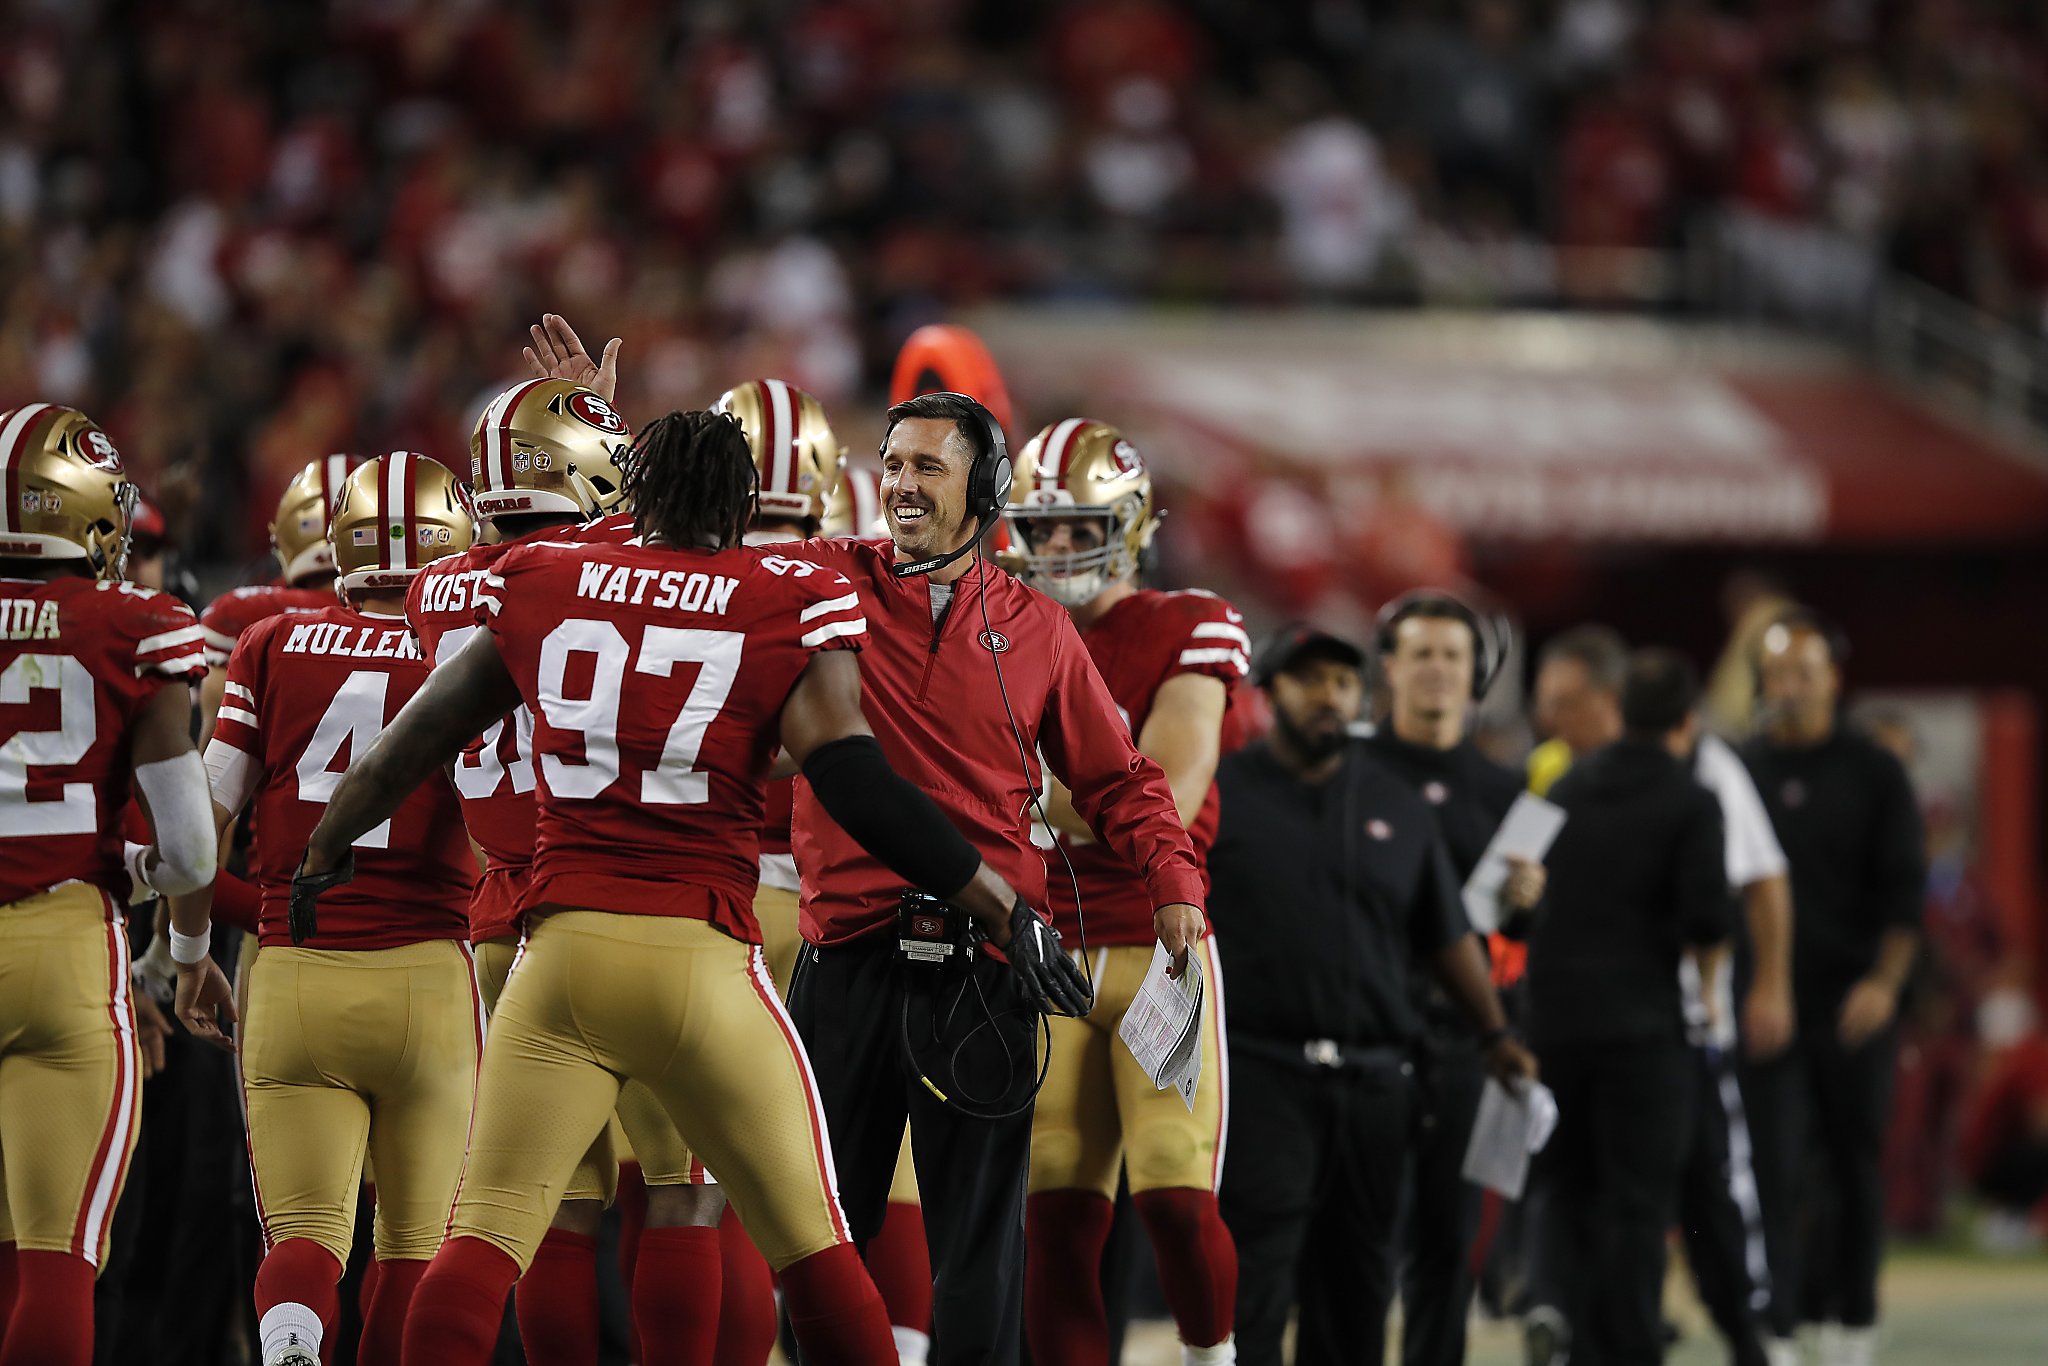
(1636, 878)
(1845, 812)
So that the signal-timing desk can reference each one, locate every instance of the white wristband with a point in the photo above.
(187, 949)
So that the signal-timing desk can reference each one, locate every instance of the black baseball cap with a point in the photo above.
(1298, 641)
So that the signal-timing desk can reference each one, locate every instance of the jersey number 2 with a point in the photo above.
(76, 812)
(675, 779)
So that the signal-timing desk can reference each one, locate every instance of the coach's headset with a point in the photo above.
(988, 485)
(1489, 634)
(988, 494)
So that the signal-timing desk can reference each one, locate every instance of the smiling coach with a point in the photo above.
(967, 677)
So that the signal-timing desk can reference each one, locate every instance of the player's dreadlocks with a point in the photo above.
(692, 480)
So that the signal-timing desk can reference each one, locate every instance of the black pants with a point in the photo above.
(1817, 1113)
(1606, 1189)
(1443, 1208)
(1311, 1188)
(848, 1003)
(1718, 1211)
(186, 1240)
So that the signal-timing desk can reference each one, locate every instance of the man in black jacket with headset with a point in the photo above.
(1636, 879)
(1328, 876)
(1437, 657)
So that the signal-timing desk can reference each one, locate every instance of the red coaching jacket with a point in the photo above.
(932, 697)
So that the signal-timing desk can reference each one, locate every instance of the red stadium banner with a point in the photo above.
(1530, 429)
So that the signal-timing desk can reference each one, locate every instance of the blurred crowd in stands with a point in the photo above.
(241, 233)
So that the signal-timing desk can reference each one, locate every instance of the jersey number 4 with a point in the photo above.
(675, 779)
(75, 811)
(351, 722)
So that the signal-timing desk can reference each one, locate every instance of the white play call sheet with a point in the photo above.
(1527, 832)
(1163, 1027)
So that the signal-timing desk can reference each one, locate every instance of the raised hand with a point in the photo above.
(558, 353)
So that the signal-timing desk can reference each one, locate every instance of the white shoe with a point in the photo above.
(293, 1356)
(1546, 1338)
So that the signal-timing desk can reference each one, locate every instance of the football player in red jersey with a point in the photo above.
(685, 1309)
(662, 673)
(361, 1038)
(305, 582)
(95, 679)
(970, 673)
(1081, 514)
(546, 455)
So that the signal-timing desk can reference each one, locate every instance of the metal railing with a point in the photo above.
(1816, 280)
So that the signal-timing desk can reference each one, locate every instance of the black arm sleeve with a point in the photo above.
(890, 817)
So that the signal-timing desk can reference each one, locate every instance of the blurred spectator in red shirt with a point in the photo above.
(2005, 1139)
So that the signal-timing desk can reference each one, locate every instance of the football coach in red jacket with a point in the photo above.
(968, 678)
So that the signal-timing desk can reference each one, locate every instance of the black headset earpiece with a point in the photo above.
(1489, 641)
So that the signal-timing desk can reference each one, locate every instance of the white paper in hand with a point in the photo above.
(1163, 1027)
(1527, 832)
(1511, 1125)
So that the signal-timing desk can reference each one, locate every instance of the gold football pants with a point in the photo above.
(1099, 1111)
(70, 1072)
(354, 1052)
(692, 1015)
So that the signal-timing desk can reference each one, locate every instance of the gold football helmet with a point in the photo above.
(549, 446)
(298, 533)
(856, 507)
(396, 515)
(66, 495)
(1080, 468)
(794, 449)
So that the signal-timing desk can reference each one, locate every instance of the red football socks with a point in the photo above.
(1065, 1233)
(7, 1276)
(390, 1298)
(746, 1301)
(1197, 1261)
(52, 1320)
(835, 1310)
(460, 1305)
(557, 1301)
(676, 1289)
(300, 1271)
(902, 1266)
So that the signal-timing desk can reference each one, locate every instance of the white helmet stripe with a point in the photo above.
(497, 470)
(333, 473)
(781, 443)
(1054, 455)
(10, 443)
(390, 511)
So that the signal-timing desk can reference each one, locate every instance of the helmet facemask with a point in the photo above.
(1077, 576)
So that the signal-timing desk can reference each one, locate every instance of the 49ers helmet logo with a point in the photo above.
(597, 413)
(97, 450)
(995, 642)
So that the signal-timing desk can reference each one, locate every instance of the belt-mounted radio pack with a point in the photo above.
(931, 933)
(936, 944)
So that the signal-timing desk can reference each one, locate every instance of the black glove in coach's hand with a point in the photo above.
(1049, 975)
(303, 918)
